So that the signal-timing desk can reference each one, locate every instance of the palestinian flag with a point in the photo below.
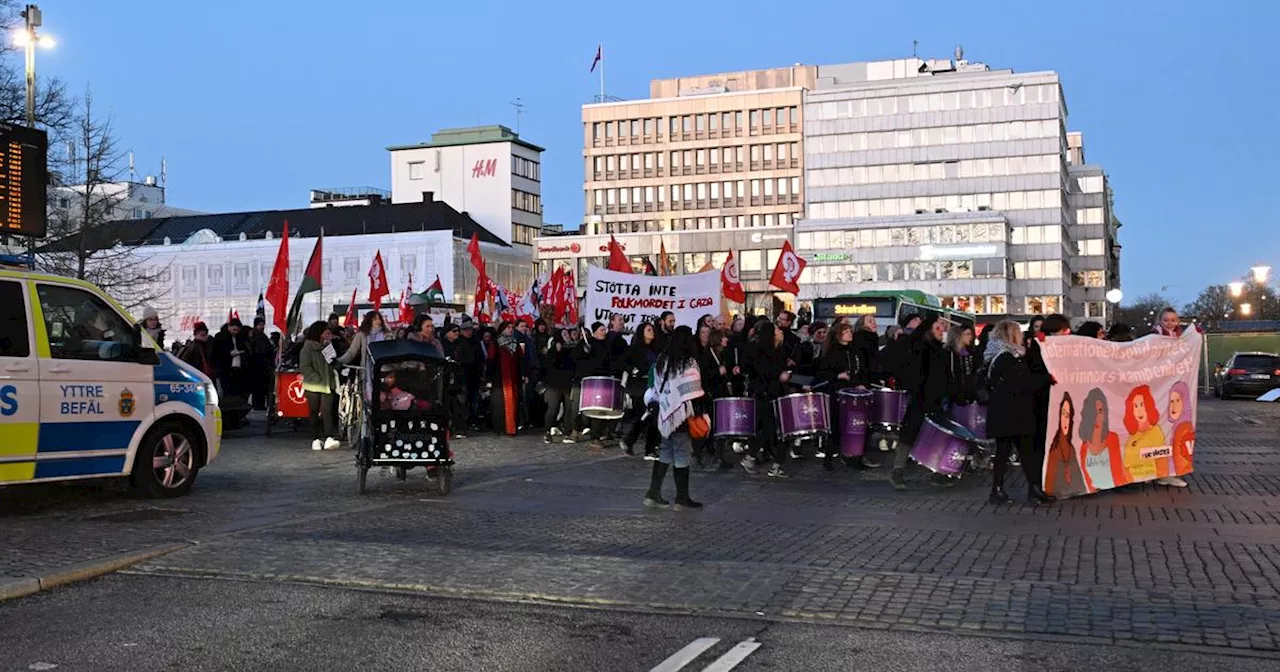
(435, 293)
(310, 283)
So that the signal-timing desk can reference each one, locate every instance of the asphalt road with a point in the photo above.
(140, 623)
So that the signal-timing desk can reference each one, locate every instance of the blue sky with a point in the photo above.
(254, 103)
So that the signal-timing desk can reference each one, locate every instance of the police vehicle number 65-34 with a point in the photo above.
(85, 394)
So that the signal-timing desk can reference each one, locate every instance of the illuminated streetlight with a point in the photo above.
(1260, 273)
(28, 38)
(1237, 288)
(1246, 309)
(1115, 295)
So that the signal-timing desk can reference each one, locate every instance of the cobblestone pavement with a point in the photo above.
(1197, 566)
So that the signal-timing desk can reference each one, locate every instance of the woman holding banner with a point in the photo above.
(1011, 412)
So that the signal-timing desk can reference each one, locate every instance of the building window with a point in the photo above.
(415, 170)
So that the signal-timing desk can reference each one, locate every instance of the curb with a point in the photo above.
(13, 588)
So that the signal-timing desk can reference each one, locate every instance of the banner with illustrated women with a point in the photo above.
(1120, 413)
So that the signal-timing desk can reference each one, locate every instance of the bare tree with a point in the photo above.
(87, 237)
(1143, 312)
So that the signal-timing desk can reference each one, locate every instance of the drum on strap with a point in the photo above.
(801, 416)
(973, 417)
(735, 418)
(889, 409)
(602, 398)
(943, 446)
(855, 415)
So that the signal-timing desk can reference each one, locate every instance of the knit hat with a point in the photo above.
(148, 312)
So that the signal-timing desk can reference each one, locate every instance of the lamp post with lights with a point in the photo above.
(29, 38)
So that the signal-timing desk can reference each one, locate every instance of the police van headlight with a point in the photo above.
(211, 394)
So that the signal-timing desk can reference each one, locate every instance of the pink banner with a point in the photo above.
(1120, 413)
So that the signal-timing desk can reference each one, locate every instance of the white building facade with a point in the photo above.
(487, 172)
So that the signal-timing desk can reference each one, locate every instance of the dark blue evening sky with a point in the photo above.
(254, 103)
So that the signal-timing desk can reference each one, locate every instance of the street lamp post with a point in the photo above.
(1260, 273)
(28, 37)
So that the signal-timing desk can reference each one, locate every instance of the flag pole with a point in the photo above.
(602, 99)
(323, 316)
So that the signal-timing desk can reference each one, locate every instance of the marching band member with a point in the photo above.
(924, 376)
(637, 361)
(768, 376)
(590, 359)
(840, 369)
(866, 343)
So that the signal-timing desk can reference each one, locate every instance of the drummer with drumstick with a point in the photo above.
(768, 378)
(923, 374)
(840, 368)
(591, 359)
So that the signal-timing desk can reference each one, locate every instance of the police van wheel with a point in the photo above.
(166, 463)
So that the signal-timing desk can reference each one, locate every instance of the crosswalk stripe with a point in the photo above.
(686, 655)
(735, 655)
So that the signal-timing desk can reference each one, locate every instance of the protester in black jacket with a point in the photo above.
(261, 363)
(591, 359)
(962, 365)
(897, 354)
(558, 374)
(767, 377)
(1011, 418)
(231, 358)
(866, 343)
(924, 377)
(840, 368)
(636, 363)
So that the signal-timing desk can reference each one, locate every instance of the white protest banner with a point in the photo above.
(1143, 391)
(645, 297)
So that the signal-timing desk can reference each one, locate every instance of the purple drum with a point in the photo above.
(735, 417)
(889, 408)
(801, 416)
(855, 411)
(942, 446)
(973, 417)
(602, 398)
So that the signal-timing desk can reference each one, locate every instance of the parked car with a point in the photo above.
(1247, 373)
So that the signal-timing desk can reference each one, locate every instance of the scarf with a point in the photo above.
(997, 346)
(673, 396)
(508, 342)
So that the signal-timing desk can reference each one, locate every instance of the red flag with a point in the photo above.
(350, 319)
(233, 314)
(786, 275)
(571, 296)
(477, 262)
(599, 54)
(617, 260)
(406, 314)
(278, 287)
(664, 262)
(378, 281)
(730, 281)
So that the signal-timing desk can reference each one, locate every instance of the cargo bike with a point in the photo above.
(404, 413)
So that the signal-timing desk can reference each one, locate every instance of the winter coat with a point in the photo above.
(591, 359)
(837, 360)
(558, 366)
(1011, 411)
(317, 375)
(962, 376)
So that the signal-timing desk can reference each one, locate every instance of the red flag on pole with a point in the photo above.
(571, 296)
(664, 262)
(277, 293)
(378, 281)
(617, 260)
(786, 275)
(350, 319)
(599, 54)
(730, 281)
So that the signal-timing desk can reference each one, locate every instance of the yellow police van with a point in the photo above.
(85, 394)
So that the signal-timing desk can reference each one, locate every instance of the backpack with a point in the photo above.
(982, 386)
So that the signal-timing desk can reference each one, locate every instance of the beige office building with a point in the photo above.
(699, 162)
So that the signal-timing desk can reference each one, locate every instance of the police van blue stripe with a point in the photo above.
(82, 466)
(69, 436)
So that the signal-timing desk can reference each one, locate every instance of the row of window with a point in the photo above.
(1092, 247)
(711, 122)
(1042, 305)
(1089, 216)
(978, 305)
(933, 102)
(530, 170)
(919, 271)
(698, 223)
(728, 189)
(1037, 270)
(903, 236)
(689, 158)
(933, 137)
(1003, 200)
(523, 234)
(525, 201)
(1088, 184)
(215, 275)
(935, 170)
(1088, 279)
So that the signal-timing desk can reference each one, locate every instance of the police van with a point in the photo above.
(85, 394)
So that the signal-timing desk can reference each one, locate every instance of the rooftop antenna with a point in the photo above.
(914, 45)
(164, 172)
(959, 53)
(519, 105)
(133, 174)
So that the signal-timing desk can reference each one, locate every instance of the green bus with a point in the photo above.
(888, 307)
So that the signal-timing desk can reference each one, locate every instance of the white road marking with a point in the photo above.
(686, 655)
(735, 655)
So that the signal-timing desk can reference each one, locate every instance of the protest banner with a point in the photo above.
(640, 297)
(1120, 413)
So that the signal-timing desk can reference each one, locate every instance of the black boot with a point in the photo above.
(868, 462)
(682, 490)
(998, 495)
(654, 498)
(829, 461)
(1036, 495)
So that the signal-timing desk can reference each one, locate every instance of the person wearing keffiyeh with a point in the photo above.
(506, 378)
(1011, 412)
(675, 395)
